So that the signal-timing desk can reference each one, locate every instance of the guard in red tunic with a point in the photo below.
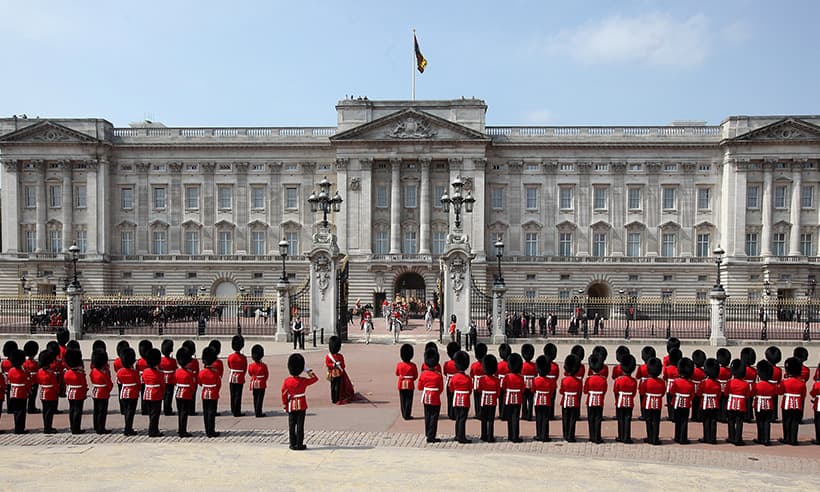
(724, 358)
(737, 391)
(625, 388)
(168, 369)
(8, 348)
(710, 392)
(476, 371)
(431, 346)
(121, 345)
(237, 365)
(794, 392)
(551, 352)
(449, 371)
(211, 384)
(815, 394)
(31, 348)
(620, 352)
(528, 372)
(154, 393)
(774, 356)
(129, 380)
(671, 344)
(101, 386)
(802, 354)
(579, 352)
(218, 365)
(595, 388)
(431, 384)
(184, 393)
(335, 363)
(601, 352)
(647, 353)
(513, 390)
(48, 390)
(76, 388)
(487, 389)
(504, 352)
(143, 348)
(670, 374)
(294, 400)
(407, 372)
(652, 390)
(190, 346)
(571, 388)
(258, 374)
(63, 336)
(763, 393)
(749, 357)
(461, 385)
(683, 392)
(543, 389)
(698, 358)
(18, 388)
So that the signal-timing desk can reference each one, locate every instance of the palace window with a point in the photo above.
(780, 196)
(293, 243)
(258, 197)
(258, 243)
(634, 198)
(225, 243)
(192, 197)
(599, 198)
(80, 196)
(703, 198)
(531, 197)
(159, 239)
(753, 197)
(565, 198)
(439, 241)
(127, 198)
(411, 246)
(565, 244)
(82, 241)
(127, 243)
(599, 244)
(531, 244)
(381, 241)
(779, 244)
(668, 197)
(410, 196)
(291, 202)
(497, 196)
(29, 241)
(807, 244)
(55, 196)
(225, 196)
(668, 244)
(807, 197)
(160, 198)
(752, 244)
(30, 197)
(381, 197)
(55, 239)
(633, 244)
(192, 242)
(702, 246)
(438, 191)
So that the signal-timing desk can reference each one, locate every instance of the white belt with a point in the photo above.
(300, 395)
(183, 385)
(128, 385)
(539, 392)
(461, 392)
(622, 396)
(237, 370)
(166, 372)
(408, 377)
(152, 385)
(46, 385)
(67, 386)
(18, 385)
(761, 399)
(100, 385)
(596, 392)
(680, 397)
(430, 389)
(549, 376)
(258, 377)
(209, 386)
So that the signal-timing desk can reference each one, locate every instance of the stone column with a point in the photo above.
(341, 217)
(68, 206)
(74, 314)
(324, 265)
(424, 207)
(176, 205)
(794, 211)
(617, 204)
(583, 209)
(241, 209)
(143, 205)
(98, 230)
(766, 212)
(457, 282)
(499, 313)
(282, 310)
(207, 197)
(717, 319)
(11, 206)
(366, 207)
(42, 206)
(395, 207)
(477, 218)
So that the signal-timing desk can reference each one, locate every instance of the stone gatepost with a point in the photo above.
(457, 281)
(282, 310)
(499, 313)
(324, 265)
(74, 314)
(717, 320)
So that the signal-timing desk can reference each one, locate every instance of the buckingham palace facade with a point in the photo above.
(604, 209)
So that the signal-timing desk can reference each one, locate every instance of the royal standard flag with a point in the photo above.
(421, 62)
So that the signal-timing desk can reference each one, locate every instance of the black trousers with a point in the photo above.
(551, 408)
(791, 424)
(236, 399)
(406, 404)
(299, 340)
(735, 419)
(681, 418)
(32, 398)
(487, 415)
(168, 400)
(75, 415)
(750, 414)
(17, 407)
(542, 423)
(154, 408)
(450, 414)
(569, 417)
(763, 419)
(595, 416)
(335, 386)
(710, 421)
(183, 409)
(49, 408)
(100, 414)
(477, 404)
(817, 427)
(775, 406)
(461, 423)
(526, 405)
(129, 409)
(696, 402)
(722, 413)
(258, 399)
(143, 406)
(513, 422)
(119, 392)
(653, 426)
(296, 428)
(431, 413)
(209, 416)
(624, 416)
(501, 413)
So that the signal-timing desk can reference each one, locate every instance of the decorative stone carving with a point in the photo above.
(515, 164)
(175, 167)
(468, 183)
(143, 167)
(355, 184)
(688, 166)
(366, 163)
(412, 127)
(653, 167)
(583, 166)
(455, 163)
(241, 167)
(425, 161)
(309, 166)
(341, 163)
(457, 270)
(618, 166)
(323, 274)
(51, 135)
(10, 165)
(208, 167)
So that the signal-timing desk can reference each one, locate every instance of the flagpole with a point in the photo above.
(413, 70)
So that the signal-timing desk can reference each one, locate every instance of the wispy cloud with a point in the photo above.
(539, 116)
(652, 39)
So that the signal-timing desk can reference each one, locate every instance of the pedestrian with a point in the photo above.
(428, 317)
(513, 387)
(335, 363)
(683, 391)
(595, 387)
(294, 400)
(652, 390)
(211, 384)
(710, 392)
(101, 386)
(202, 324)
(488, 389)
(476, 372)
(18, 388)
(431, 384)
(794, 392)
(448, 372)
(543, 388)
(298, 330)
(472, 334)
(763, 392)
(738, 391)
(184, 394)
(461, 386)
(258, 373)
(407, 371)
(571, 397)
(129, 380)
(168, 368)
(625, 388)
(154, 383)
(528, 372)
(237, 365)
(48, 389)
(76, 385)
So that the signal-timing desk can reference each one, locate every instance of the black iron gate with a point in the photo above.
(342, 315)
(481, 309)
(300, 306)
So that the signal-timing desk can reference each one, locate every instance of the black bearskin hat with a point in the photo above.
(122, 344)
(73, 358)
(99, 359)
(63, 336)
(257, 352)
(216, 345)
(672, 343)
(712, 368)
(53, 346)
(17, 357)
(654, 367)
(183, 357)
(675, 355)
(801, 353)
(773, 355)
(406, 352)
(620, 352)
(99, 345)
(698, 357)
(764, 370)
(152, 357)
(334, 344)
(748, 356)
(430, 345)
(571, 364)
(73, 344)
(296, 364)
(515, 363)
(452, 349)
(550, 352)
(461, 360)
(190, 346)
(144, 346)
(738, 368)
(45, 358)
(595, 362)
(208, 356)
(480, 350)
(601, 351)
(628, 364)
(31, 348)
(724, 357)
(542, 365)
(237, 343)
(648, 352)
(504, 351)
(167, 347)
(527, 351)
(490, 364)
(686, 367)
(9, 347)
(578, 351)
(128, 357)
(793, 366)
(431, 358)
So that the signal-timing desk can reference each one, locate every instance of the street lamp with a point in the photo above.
(810, 295)
(499, 253)
(718, 260)
(458, 200)
(75, 255)
(324, 202)
(202, 291)
(283, 252)
(624, 312)
(239, 310)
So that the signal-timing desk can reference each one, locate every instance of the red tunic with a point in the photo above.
(194, 367)
(130, 380)
(185, 384)
(258, 372)
(237, 364)
(425, 368)
(737, 391)
(777, 375)
(670, 374)
(624, 389)
(815, 393)
(724, 375)
(581, 372)
(603, 372)
(697, 377)
(503, 370)
(31, 367)
(543, 388)
(571, 390)
(652, 390)
(219, 367)
(476, 371)
(804, 373)
(335, 364)
(764, 393)
(617, 372)
(461, 385)
(555, 371)
(168, 367)
(117, 365)
(18, 383)
(642, 374)
(488, 389)
(817, 374)
(407, 372)
(709, 391)
(293, 392)
(595, 388)
(528, 371)
(431, 384)
(141, 365)
(76, 384)
(513, 386)
(794, 392)
(449, 370)
(211, 383)
(154, 383)
(49, 389)
(100, 384)
(682, 391)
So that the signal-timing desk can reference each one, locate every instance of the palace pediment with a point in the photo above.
(46, 132)
(787, 130)
(409, 125)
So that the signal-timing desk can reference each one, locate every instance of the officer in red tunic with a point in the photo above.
(652, 390)
(487, 389)
(625, 388)
(571, 388)
(294, 400)
(763, 393)
(431, 384)
(335, 363)
(551, 352)
(129, 380)
(528, 372)
(774, 356)
(647, 353)
(76, 387)
(31, 348)
(18, 388)
(815, 394)
(184, 393)
(449, 371)
(595, 387)
(683, 392)
(476, 371)
(407, 372)
(749, 357)
(504, 352)
(543, 388)
(168, 369)
(513, 389)
(724, 358)
(48, 390)
(737, 391)
(190, 346)
(258, 374)
(620, 352)
(211, 384)
(670, 374)
(698, 358)
(101, 385)
(710, 393)
(237, 366)
(143, 347)
(794, 392)
(461, 385)
(154, 393)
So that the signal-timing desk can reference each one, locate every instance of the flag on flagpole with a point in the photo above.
(421, 62)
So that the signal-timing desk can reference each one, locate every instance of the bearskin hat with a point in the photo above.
(99, 345)
(686, 367)
(167, 347)
(578, 351)
(504, 351)
(490, 364)
(515, 363)
(527, 351)
(73, 344)
(550, 352)
(765, 371)
(793, 366)
(648, 352)
(73, 358)
(128, 357)
(63, 336)
(9, 347)
(122, 344)
(31, 348)
(461, 360)
(99, 359)
(153, 357)
(183, 357)
(208, 356)
(216, 345)
(190, 346)
(430, 345)
(601, 351)
(431, 358)
(628, 364)
(620, 352)
(257, 352)
(571, 364)
(672, 343)
(452, 349)
(334, 344)
(406, 352)
(774, 355)
(480, 350)
(45, 358)
(654, 366)
(542, 365)
(596, 363)
(738, 368)
(748, 356)
(723, 356)
(144, 346)
(237, 343)
(53, 346)
(17, 357)
(801, 353)
(675, 355)
(712, 368)
(296, 364)
(698, 357)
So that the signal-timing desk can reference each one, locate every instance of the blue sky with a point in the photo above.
(258, 63)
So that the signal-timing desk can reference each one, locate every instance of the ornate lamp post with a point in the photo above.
(239, 308)
(324, 202)
(499, 253)
(74, 251)
(457, 200)
(624, 312)
(718, 252)
(283, 252)
(812, 285)
(202, 291)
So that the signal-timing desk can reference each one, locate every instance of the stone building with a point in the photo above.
(179, 211)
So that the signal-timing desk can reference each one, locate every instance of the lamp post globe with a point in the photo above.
(74, 251)
(499, 253)
(718, 252)
(283, 252)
